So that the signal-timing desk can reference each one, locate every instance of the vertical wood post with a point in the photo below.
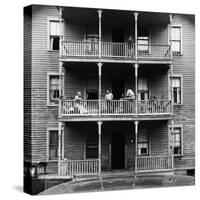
(61, 31)
(136, 88)
(172, 153)
(99, 92)
(170, 35)
(59, 146)
(99, 146)
(171, 89)
(99, 15)
(136, 34)
(136, 149)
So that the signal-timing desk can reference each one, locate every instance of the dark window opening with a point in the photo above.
(92, 146)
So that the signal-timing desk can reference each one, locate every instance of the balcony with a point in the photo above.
(114, 50)
(114, 108)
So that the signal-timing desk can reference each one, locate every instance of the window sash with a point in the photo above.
(176, 39)
(53, 144)
(176, 140)
(54, 92)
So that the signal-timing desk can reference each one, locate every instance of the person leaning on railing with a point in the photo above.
(108, 98)
(130, 46)
(130, 95)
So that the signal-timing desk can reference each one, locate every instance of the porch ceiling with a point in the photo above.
(91, 15)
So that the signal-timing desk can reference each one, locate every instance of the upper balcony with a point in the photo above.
(115, 50)
(115, 36)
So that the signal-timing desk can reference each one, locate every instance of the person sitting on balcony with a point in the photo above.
(108, 98)
(130, 46)
(130, 94)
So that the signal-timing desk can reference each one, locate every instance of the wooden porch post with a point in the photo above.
(99, 94)
(99, 15)
(136, 141)
(59, 146)
(136, 88)
(172, 152)
(99, 146)
(136, 34)
(171, 65)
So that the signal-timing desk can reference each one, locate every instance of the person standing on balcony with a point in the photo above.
(78, 105)
(130, 95)
(130, 46)
(108, 98)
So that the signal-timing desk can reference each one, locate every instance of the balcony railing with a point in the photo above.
(154, 106)
(154, 163)
(153, 51)
(114, 50)
(79, 167)
(114, 107)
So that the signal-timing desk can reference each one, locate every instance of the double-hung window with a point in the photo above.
(54, 34)
(177, 89)
(176, 38)
(53, 90)
(176, 140)
(143, 39)
(143, 89)
(53, 144)
(143, 143)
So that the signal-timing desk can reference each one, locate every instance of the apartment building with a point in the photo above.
(69, 50)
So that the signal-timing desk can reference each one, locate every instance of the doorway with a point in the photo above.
(118, 151)
(118, 37)
(118, 87)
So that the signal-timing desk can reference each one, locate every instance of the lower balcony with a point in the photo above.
(91, 166)
(115, 108)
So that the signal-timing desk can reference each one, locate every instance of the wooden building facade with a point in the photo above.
(67, 50)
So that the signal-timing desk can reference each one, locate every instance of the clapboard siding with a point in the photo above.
(38, 61)
(43, 61)
(185, 65)
(27, 81)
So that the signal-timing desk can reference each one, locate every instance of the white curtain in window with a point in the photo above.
(142, 84)
(176, 33)
(176, 82)
(55, 28)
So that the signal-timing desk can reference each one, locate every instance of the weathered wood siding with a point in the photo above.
(43, 61)
(27, 81)
(185, 65)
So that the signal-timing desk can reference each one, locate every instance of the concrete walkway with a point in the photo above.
(118, 181)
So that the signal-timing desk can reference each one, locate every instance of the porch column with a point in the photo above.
(170, 35)
(60, 126)
(172, 152)
(61, 31)
(136, 141)
(99, 15)
(136, 88)
(136, 34)
(171, 89)
(99, 92)
(99, 146)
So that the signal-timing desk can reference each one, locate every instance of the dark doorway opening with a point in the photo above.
(118, 37)
(118, 151)
(118, 86)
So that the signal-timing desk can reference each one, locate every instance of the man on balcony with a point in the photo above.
(108, 98)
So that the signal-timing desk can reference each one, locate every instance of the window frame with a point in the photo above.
(47, 142)
(143, 91)
(48, 85)
(169, 142)
(181, 39)
(148, 144)
(49, 19)
(85, 146)
(181, 82)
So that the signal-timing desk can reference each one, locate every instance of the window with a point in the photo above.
(177, 91)
(143, 143)
(54, 34)
(53, 93)
(143, 39)
(143, 89)
(176, 39)
(176, 140)
(91, 145)
(53, 144)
